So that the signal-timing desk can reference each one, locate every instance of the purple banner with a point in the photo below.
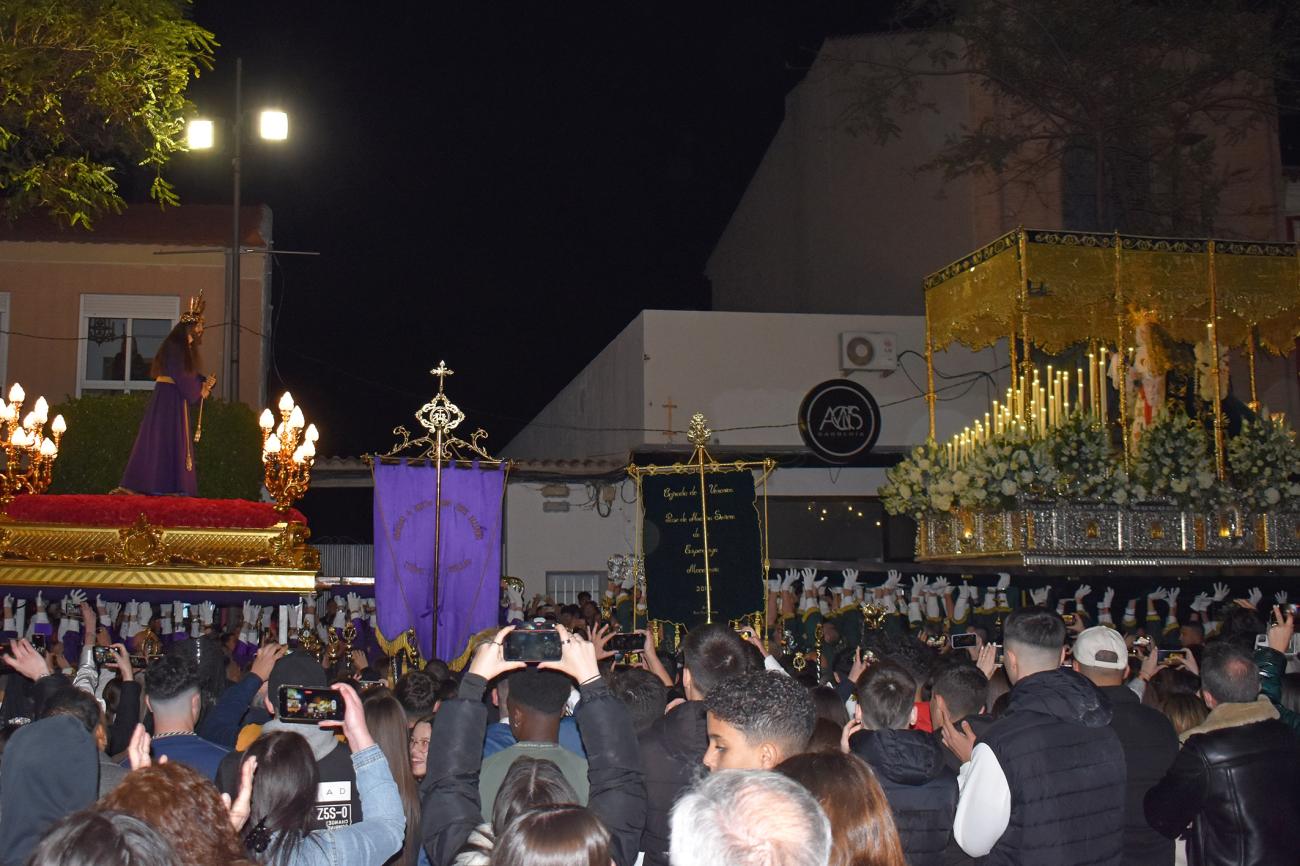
(469, 561)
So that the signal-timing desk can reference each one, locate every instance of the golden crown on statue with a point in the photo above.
(194, 313)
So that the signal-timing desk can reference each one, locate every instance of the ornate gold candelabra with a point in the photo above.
(309, 641)
(29, 452)
(288, 453)
(333, 650)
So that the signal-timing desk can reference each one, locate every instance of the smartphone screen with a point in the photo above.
(38, 642)
(1166, 656)
(104, 655)
(532, 645)
(964, 641)
(309, 705)
(625, 643)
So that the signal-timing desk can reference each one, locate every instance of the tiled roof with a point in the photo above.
(355, 469)
(188, 224)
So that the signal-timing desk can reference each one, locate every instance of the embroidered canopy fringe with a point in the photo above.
(1066, 293)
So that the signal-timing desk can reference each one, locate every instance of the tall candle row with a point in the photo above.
(1035, 406)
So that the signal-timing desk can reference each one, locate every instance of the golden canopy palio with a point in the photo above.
(1073, 284)
(1055, 289)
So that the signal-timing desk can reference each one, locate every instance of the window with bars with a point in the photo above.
(120, 334)
(564, 586)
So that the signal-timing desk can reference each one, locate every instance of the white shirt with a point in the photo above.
(984, 805)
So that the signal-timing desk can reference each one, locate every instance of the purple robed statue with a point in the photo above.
(162, 460)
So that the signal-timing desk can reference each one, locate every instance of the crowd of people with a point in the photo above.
(847, 725)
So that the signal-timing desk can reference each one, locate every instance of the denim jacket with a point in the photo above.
(381, 831)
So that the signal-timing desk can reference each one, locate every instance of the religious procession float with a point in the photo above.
(171, 541)
(1121, 439)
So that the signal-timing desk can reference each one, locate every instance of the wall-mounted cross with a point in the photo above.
(442, 372)
(670, 406)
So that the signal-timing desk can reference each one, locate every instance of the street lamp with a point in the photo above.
(273, 125)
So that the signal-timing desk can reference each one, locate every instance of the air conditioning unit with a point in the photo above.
(866, 350)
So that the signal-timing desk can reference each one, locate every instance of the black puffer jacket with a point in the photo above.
(1235, 783)
(1066, 773)
(920, 788)
(672, 756)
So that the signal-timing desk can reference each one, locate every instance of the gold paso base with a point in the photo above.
(143, 556)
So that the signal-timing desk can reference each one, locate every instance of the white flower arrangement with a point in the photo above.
(1174, 462)
(918, 484)
(1008, 469)
(1080, 453)
(1262, 457)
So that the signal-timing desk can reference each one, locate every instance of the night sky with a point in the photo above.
(501, 185)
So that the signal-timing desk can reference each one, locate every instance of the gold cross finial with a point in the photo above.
(698, 432)
(442, 372)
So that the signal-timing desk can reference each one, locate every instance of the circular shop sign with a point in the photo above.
(840, 421)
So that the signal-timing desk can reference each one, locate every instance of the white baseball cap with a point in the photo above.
(1101, 647)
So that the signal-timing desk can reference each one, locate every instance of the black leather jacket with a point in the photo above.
(1235, 783)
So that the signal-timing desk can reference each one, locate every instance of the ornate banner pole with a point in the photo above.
(442, 422)
(698, 434)
(440, 417)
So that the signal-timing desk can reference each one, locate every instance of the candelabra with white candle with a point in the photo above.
(288, 453)
(29, 452)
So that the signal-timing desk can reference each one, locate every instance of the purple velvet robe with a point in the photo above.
(162, 461)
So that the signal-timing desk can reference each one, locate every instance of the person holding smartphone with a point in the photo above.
(450, 807)
(337, 802)
(1272, 661)
(285, 780)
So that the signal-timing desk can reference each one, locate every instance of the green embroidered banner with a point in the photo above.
(673, 541)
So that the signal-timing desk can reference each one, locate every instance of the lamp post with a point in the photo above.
(273, 126)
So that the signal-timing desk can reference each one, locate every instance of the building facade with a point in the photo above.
(837, 223)
(748, 374)
(83, 312)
